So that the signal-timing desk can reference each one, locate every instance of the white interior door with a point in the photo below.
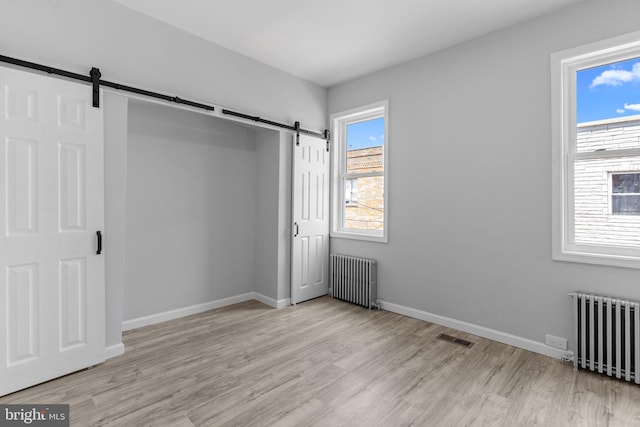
(310, 247)
(52, 302)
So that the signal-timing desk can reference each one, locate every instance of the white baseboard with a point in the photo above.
(185, 311)
(481, 331)
(282, 303)
(265, 300)
(114, 350)
(270, 301)
(199, 308)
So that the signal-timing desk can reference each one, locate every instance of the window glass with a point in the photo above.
(625, 183)
(625, 194)
(367, 212)
(351, 192)
(608, 90)
(607, 121)
(365, 146)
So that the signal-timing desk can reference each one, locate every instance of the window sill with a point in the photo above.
(356, 235)
(586, 257)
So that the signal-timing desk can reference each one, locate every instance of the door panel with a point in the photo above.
(73, 288)
(304, 259)
(304, 196)
(310, 258)
(22, 186)
(319, 261)
(71, 112)
(51, 205)
(21, 104)
(23, 301)
(72, 193)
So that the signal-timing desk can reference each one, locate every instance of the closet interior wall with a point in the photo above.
(202, 210)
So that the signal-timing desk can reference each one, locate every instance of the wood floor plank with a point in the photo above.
(329, 363)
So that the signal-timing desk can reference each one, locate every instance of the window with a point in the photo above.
(360, 173)
(625, 193)
(596, 153)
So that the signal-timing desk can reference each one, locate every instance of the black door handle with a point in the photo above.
(99, 234)
(295, 224)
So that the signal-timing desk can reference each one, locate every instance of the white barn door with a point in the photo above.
(310, 247)
(52, 302)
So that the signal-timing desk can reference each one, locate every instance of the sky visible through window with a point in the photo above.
(365, 134)
(609, 91)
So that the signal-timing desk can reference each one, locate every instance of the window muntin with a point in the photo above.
(591, 147)
(360, 159)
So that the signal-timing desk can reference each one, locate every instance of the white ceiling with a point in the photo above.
(332, 41)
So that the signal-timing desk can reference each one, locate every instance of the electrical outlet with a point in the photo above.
(556, 342)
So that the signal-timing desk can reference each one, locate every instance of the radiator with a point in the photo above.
(607, 335)
(354, 279)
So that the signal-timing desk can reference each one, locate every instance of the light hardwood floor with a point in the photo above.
(329, 363)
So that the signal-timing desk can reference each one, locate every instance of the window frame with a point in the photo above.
(339, 122)
(564, 66)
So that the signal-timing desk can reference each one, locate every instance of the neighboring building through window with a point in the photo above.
(351, 192)
(596, 153)
(603, 182)
(359, 179)
(364, 195)
(625, 193)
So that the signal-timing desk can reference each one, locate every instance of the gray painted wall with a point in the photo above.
(191, 210)
(267, 176)
(470, 177)
(284, 216)
(273, 235)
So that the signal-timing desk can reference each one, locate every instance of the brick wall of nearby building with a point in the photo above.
(368, 212)
(594, 223)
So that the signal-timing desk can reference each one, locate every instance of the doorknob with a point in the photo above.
(295, 224)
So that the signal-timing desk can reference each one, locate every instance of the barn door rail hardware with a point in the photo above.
(148, 93)
(296, 126)
(94, 78)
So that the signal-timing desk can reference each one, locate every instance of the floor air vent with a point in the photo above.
(454, 340)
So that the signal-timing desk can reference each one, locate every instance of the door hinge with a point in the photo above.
(296, 126)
